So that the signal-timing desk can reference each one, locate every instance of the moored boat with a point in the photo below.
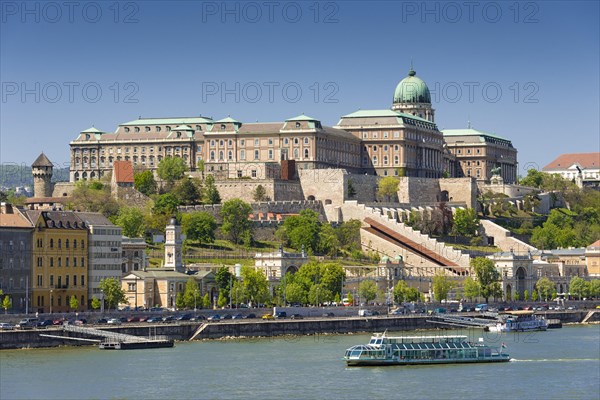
(519, 321)
(409, 350)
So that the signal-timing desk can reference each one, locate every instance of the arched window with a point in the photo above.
(60, 243)
(51, 243)
(305, 153)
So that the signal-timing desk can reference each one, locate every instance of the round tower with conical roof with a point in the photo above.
(42, 176)
(412, 97)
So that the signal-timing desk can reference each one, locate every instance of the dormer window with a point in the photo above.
(137, 129)
(126, 129)
(198, 127)
(168, 129)
(222, 127)
(147, 129)
(158, 129)
(297, 124)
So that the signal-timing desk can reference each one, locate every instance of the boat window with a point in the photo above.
(378, 341)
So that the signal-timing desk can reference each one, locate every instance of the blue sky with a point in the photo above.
(527, 71)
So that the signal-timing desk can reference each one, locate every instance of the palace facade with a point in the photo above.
(401, 141)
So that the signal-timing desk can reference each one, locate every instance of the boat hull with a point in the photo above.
(136, 345)
(379, 363)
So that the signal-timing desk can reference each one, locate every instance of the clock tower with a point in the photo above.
(173, 242)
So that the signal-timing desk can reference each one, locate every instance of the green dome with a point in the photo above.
(412, 90)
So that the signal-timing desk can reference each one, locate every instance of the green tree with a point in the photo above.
(595, 288)
(93, 196)
(545, 288)
(400, 292)
(578, 287)
(303, 230)
(487, 275)
(224, 280)
(188, 191)
(206, 301)
(516, 296)
(295, 293)
(534, 295)
(166, 204)
(470, 288)
(465, 222)
(200, 226)
(132, 221)
(73, 302)
(222, 300)
(318, 294)
(367, 290)
(6, 304)
(144, 183)
(328, 240)
(387, 188)
(95, 303)
(113, 293)
(350, 190)
(211, 194)
(534, 178)
(526, 295)
(442, 285)
(350, 298)
(413, 294)
(179, 301)
(235, 214)
(191, 294)
(254, 286)
(260, 193)
(349, 235)
(171, 169)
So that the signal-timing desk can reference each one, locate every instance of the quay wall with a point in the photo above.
(182, 331)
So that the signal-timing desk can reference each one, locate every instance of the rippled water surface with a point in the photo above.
(557, 364)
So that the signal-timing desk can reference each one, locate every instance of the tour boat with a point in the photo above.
(408, 350)
(519, 321)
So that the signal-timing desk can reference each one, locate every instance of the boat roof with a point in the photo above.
(519, 312)
(421, 338)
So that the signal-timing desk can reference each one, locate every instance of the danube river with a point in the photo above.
(557, 364)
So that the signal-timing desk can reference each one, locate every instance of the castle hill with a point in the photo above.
(191, 217)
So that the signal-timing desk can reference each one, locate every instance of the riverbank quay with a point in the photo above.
(184, 331)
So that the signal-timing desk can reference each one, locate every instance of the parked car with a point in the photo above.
(183, 317)
(226, 316)
(114, 321)
(101, 321)
(154, 319)
(237, 316)
(328, 314)
(250, 316)
(214, 317)
(133, 319)
(280, 315)
(296, 316)
(168, 318)
(27, 323)
(81, 321)
(198, 317)
(45, 323)
(268, 316)
(5, 326)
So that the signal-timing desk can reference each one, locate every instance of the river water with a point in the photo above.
(557, 364)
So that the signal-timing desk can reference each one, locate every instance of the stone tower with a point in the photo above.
(42, 176)
(173, 242)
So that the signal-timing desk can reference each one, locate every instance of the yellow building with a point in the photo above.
(59, 261)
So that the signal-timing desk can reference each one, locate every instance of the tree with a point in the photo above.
(224, 280)
(350, 190)
(171, 169)
(206, 301)
(222, 300)
(578, 287)
(526, 295)
(516, 296)
(113, 293)
(254, 287)
(93, 196)
(350, 298)
(295, 293)
(144, 183)
(318, 294)
(465, 222)
(348, 234)
(387, 188)
(534, 295)
(166, 204)
(191, 294)
(400, 292)
(179, 301)
(200, 226)
(73, 302)
(470, 288)
(132, 221)
(487, 275)
(367, 290)
(595, 288)
(260, 193)
(413, 294)
(211, 194)
(188, 191)
(328, 240)
(235, 214)
(6, 304)
(303, 230)
(545, 288)
(95, 303)
(441, 286)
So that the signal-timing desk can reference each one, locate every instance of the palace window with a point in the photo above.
(256, 142)
(126, 129)
(256, 154)
(270, 154)
(158, 129)
(385, 135)
(254, 173)
(242, 154)
(242, 142)
(230, 155)
(221, 143)
(298, 125)
(305, 140)
(137, 129)
(305, 153)
(147, 129)
(168, 128)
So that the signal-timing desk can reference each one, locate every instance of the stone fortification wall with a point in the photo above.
(63, 189)
(460, 190)
(244, 189)
(510, 190)
(265, 207)
(503, 238)
(331, 185)
(353, 210)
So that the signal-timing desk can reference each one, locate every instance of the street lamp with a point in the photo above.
(51, 299)
(102, 302)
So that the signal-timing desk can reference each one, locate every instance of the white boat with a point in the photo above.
(519, 321)
(415, 350)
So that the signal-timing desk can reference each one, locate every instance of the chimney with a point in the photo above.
(5, 208)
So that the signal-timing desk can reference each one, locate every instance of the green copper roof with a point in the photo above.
(470, 132)
(169, 121)
(384, 113)
(92, 130)
(412, 89)
(229, 119)
(302, 117)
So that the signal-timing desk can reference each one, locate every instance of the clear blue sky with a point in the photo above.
(159, 59)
